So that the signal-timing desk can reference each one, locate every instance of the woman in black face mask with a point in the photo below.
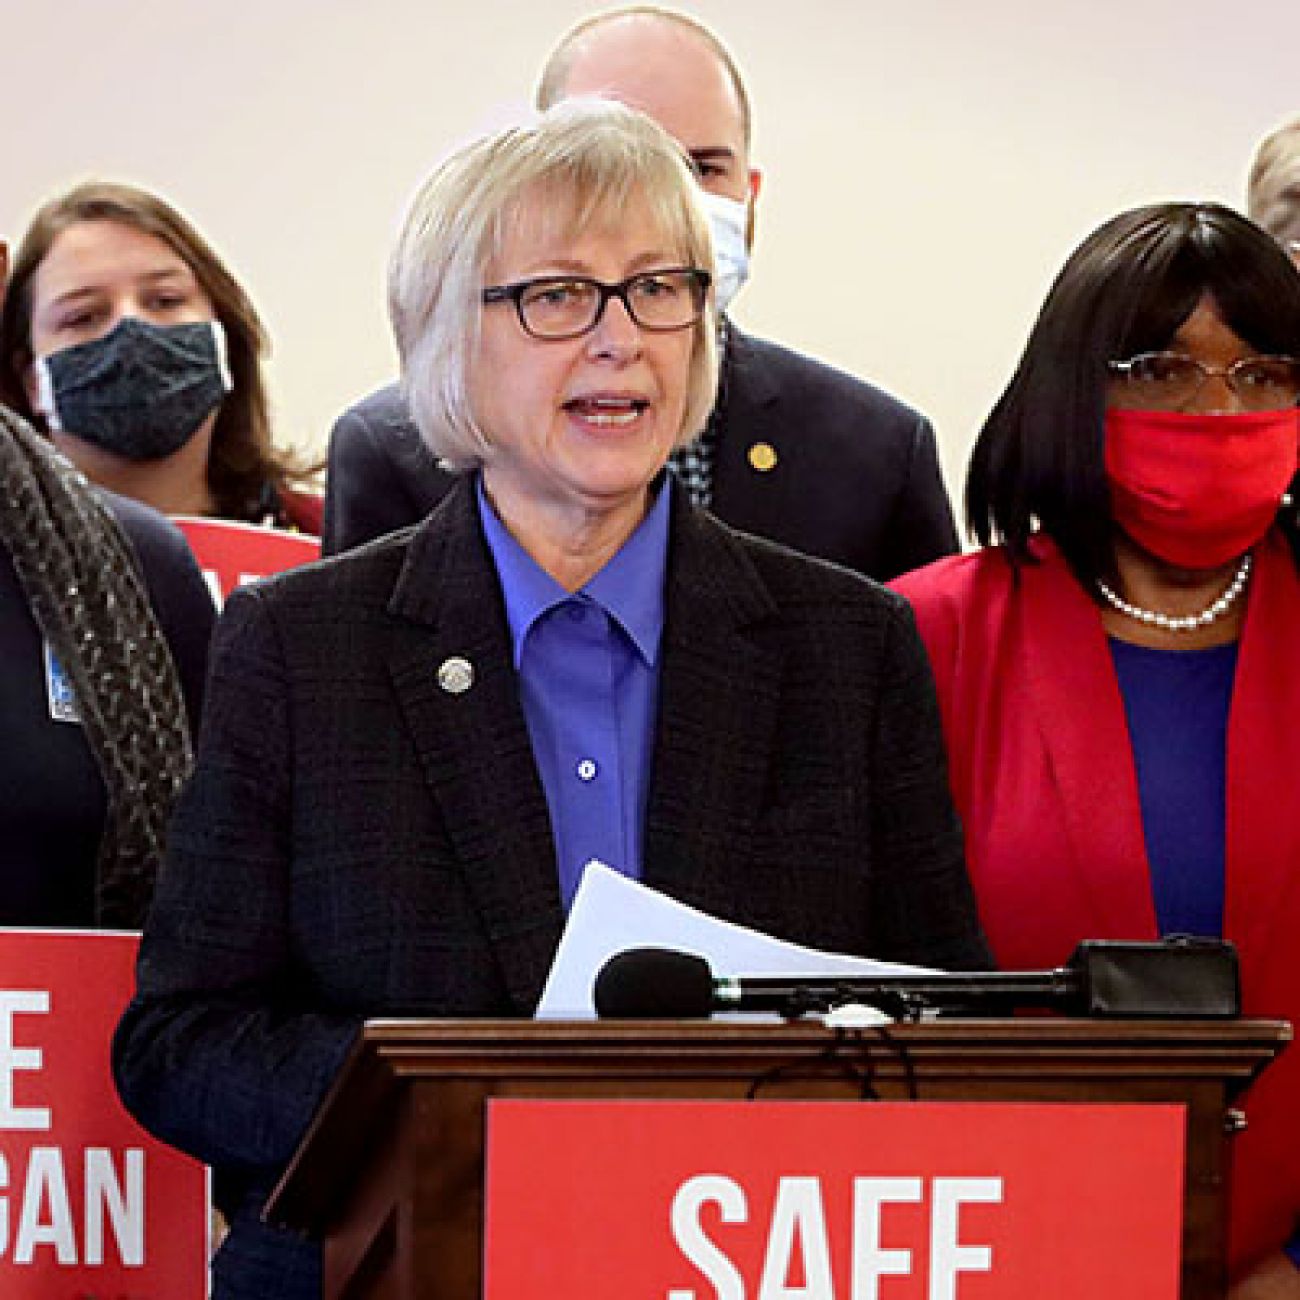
(125, 337)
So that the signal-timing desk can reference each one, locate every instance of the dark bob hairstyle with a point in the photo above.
(1127, 289)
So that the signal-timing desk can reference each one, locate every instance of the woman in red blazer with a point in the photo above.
(1117, 667)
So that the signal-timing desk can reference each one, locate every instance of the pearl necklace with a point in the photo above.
(1185, 622)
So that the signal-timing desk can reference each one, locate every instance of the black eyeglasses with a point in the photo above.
(1170, 381)
(566, 306)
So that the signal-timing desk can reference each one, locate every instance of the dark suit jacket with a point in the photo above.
(359, 842)
(856, 475)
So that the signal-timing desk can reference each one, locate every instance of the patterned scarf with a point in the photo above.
(80, 576)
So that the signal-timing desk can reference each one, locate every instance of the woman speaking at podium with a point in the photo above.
(412, 750)
(1117, 675)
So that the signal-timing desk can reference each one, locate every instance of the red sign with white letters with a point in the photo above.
(666, 1200)
(91, 1206)
(231, 554)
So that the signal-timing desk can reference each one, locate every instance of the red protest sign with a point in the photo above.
(833, 1201)
(90, 1204)
(231, 554)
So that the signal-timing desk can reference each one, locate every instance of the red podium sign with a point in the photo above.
(833, 1200)
(231, 554)
(90, 1204)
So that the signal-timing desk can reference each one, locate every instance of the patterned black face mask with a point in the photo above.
(141, 391)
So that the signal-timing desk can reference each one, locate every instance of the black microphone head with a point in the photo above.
(654, 984)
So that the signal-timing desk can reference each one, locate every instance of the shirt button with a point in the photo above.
(586, 769)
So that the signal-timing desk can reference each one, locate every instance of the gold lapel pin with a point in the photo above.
(762, 457)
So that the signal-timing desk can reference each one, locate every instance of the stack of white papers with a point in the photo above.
(611, 913)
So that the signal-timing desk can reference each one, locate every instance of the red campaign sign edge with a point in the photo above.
(87, 978)
(231, 551)
(1069, 1220)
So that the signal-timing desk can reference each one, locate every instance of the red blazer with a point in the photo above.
(1043, 776)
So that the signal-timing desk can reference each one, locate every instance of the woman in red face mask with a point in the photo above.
(1117, 667)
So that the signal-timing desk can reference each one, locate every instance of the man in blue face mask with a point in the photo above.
(793, 450)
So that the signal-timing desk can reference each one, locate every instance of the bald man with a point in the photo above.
(794, 450)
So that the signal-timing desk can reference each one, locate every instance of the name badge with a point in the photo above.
(58, 690)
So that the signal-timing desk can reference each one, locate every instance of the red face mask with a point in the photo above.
(1199, 490)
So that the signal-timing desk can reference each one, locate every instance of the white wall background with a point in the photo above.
(929, 163)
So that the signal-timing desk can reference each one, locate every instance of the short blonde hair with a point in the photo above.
(586, 160)
(1273, 191)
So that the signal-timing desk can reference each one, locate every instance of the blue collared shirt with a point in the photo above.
(588, 667)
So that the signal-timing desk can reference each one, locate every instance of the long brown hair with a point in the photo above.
(243, 462)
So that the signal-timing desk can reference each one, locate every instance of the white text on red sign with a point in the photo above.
(799, 1237)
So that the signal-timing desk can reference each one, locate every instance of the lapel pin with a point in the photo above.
(762, 457)
(455, 675)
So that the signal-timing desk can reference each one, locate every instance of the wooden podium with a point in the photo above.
(391, 1173)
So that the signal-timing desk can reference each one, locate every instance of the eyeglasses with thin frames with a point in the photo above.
(568, 306)
(1171, 381)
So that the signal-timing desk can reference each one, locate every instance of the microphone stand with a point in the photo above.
(1179, 977)
(904, 997)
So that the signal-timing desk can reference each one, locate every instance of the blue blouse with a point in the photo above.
(1176, 702)
(588, 665)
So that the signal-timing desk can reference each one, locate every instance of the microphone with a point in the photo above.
(1177, 978)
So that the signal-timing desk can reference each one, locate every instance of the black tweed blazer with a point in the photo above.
(358, 841)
